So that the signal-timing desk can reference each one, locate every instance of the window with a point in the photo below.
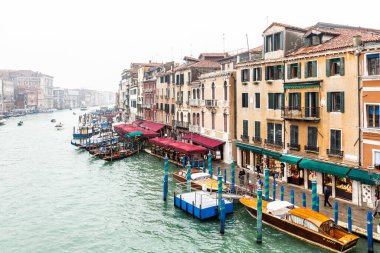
(257, 100)
(225, 90)
(177, 79)
(268, 43)
(335, 102)
(274, 42)
(203, 119)
(181, 79)
(225, 122)
(274, 72)
(312, 137)
(376, 158)
(294, 70)
(257, 129)
(277, 41)
(133, 103)
(213, 90)
(194, 119)
(311, 69)
(312, 40)
(244, 100)
(373, 113)
(173, 93)
(256, 72)
(161, 79)
(245, 127)
(173, 109)
(167, 108)
(270, 133)
(245, 75)
(275, 100)
(278, 134)
(335, 140)
(295, 101)
(335, 67)
(188, 78)
(167, 79)
(213, 120)
(293, 135)
(203, 91)
(373, 62)
(198, 119)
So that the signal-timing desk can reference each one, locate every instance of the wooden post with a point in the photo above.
(349, 219)
(336, 212)
(166, 168)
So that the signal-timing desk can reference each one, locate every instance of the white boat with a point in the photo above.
(83, 108)
(59, 126)
(2, 120)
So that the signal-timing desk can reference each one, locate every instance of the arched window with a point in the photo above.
(197, 119)
(203, 91)
(203, 119)
(213, 90)
(198, 97)
(194, 94)
(194, 120)
(225, 90)
(213, 120)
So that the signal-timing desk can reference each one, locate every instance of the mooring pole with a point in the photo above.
(317, 204)
(220, 189)
(166, 168)
(370, 231)
(282, 193)
(292, 196)
(222, 216)
(188, 177)
(274, 191)
(313, 195)
(232, 177)
(259, 215)
(209, 163)
(266, 183)
(303, 199)
(349, 219)
(336, 212)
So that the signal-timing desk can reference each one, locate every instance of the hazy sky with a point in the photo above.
(88, 43)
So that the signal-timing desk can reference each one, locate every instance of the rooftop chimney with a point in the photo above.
(357, 40)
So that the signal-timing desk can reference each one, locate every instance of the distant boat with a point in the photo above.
(2, 120)
(83, 108)
(74, 113)
(20, 123)
(52, 120)
(59, 126)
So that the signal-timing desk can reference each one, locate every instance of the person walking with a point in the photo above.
(241, 177)
(376, 209)
(327, 194)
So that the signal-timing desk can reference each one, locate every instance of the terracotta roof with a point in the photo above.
(343, 40)
(189, 58)
(205, 64)
(212, 55)
(257, 49)
(286, 26)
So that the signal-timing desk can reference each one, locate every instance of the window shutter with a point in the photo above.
(282, 101)
(299, 101)
(305, 70)
(281, 40)
(314, 68)
(248, 76)
(271, 100)
(289, 67)
(265, 44)
(253, 74)
(282, 72)
(329, 101)
(299, 70)
(257, 129)
(266, 73)
(307, 95)
(259, 74)
(307, 42)
(290, 100)
(242, 75)
(328, 68)
(341, 66)
(342, 101)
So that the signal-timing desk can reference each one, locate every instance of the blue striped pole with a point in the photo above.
(209, 164)
(370, 231)
(336, 212)
(349, 219)
(220, 188)
(183, 161)
(233, 177)
(188, 159)
(317, 204)
(222, 217)
(274, 190)
(303, 199)
(266, 183)
(313, 194)
(259, 215)
(225, 176)
(199, 167)
(218, 170)
(192, 163)
(188, 177)
(166, 167)
(282, 193)
(292, 196)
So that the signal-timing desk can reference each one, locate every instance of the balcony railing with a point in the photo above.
(211, 103)
(194, 102)
(179, 101)
(311, 149)
(301, 113)
(334, 152)
(257, 139)
(294, 146)
(181, 124)
(244, 138)
(139, 117)
(272, 142)
(195, 129)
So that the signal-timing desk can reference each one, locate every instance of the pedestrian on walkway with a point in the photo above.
(327, 194)
(376, 209)
(258, 169)
(241, 177)
(259, 183)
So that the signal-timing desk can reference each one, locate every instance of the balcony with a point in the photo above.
(257, 140)
(334, 152)
(167, 97)
(311, 149)
(179, 101)
(274, 143)
(148, 90)
(194, 102)
(195, 129)
(244, 138)
(181, 124)
(147, 106)
(294, 146)
(301, 113)
(211, 103)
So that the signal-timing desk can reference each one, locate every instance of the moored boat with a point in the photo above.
(198, 179)
(52, 120)
(20, 123)
(2, 120)
(59, 126)
(119, 155)
(304, 224)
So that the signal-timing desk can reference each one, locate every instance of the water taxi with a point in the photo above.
(199, 180)
(20, 123)
(302, 223)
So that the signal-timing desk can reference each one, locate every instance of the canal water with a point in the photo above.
(55, 198)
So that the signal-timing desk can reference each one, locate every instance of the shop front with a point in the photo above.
(295, 175)
(245, 157)
(343, 188)
(276, 167)
(311, 176)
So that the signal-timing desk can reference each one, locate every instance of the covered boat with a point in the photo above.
(304, 224)
(198, 179)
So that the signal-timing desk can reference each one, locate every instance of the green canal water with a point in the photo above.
(55, 198)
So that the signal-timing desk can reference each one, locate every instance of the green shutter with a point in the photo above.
(307, 95)
(342, 101)
(299, 101)
(299, 70)
(329, 101)
(241, 73)
(341, 66)
(271, 100)
(314, 68)
(282, 72)
(307, 42)
(282, 100)
(266, 73)
(305, 70)
(265, 44)
(328, 68)
(257, 129)
(281, 40)
(253, 74)
(289, 67)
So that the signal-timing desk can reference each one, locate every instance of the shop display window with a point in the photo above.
(343, 188)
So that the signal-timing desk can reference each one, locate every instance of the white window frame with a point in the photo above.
(373, 155)
(365, 114)
(366, 64)
(341, 138)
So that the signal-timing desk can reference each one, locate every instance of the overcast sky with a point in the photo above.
(86, 44)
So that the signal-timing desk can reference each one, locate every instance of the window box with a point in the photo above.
(269, 82)
(256, 82)
(256, 140)
(244, 83)
(294, 146)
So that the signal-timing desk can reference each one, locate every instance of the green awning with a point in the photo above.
(326, 168)
(290, 159)
(362, 176)
(133, 134)
(271, 154)
(249, 147)
(301, 85)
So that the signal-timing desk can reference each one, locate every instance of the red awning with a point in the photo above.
(187, 148)
(127, 128)
(203, 141)
(137, 122)
(152, 126)
(163, 142)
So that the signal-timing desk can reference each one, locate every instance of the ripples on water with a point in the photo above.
(55, 198)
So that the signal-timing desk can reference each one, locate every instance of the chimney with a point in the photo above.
(357, 40)
(150, 61)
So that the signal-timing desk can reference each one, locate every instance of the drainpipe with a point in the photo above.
(357, 42)
(283, 109)
(235, 107)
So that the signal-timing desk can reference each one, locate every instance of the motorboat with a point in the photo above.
(59, 126)
(20, 123)
(199, 180)
(52, 120)
(83, 108)
(2, 120)
(303, 223)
